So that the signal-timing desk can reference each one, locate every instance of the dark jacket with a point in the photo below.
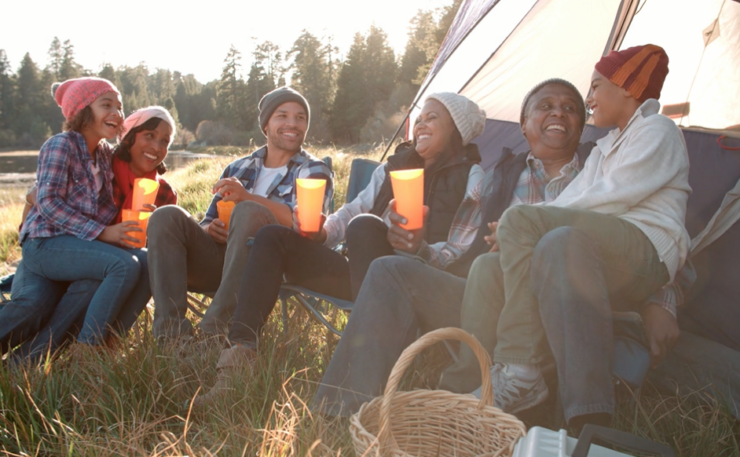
(444, 186)
(499, 186)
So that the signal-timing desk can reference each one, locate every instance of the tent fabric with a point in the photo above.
(515, 44)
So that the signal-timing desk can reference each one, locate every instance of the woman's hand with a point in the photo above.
(117, 235)
(400, 238)
(319, 237)
(661, 329)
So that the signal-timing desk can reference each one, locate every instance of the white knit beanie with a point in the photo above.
(142, 115)
(469, 119)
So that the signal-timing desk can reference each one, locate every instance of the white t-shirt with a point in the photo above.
(265, 179)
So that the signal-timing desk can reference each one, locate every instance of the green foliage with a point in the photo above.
(359, 98)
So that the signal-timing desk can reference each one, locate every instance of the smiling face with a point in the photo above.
(433, 130)
(552, 122)
(107, 121)
(287, 127)
(610, 104)
(149, 148)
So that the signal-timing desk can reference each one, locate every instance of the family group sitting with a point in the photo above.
(531, 257)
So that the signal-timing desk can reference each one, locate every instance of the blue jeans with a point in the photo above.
(399, 298)
(124, 288)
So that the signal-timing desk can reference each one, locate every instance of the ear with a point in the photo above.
(524, 131)
(625, 93)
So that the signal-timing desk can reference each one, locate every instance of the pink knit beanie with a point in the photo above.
(73, 95)
(142, 115)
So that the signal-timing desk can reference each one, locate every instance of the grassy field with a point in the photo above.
(132, 400)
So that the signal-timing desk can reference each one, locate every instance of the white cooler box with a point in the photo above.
(541, 442)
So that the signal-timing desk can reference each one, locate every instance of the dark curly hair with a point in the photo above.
(123, 151)
(80, 120)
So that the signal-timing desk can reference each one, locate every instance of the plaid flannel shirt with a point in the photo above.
(535, 186)
(282, 189)
(68, 202)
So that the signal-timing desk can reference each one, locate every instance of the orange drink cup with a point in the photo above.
(145, 193)
(408, 191)
(224, 211)
(310, 195)
(142, 217)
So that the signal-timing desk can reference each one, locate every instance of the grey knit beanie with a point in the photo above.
(469, 119)
(562, 82)
(270, 102)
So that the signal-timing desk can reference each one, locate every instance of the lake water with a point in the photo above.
(21, 167)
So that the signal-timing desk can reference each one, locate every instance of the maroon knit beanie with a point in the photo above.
(640, 70)
(73, 95)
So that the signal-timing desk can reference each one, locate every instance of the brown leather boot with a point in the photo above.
(228, 362)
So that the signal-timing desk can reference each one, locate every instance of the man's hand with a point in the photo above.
(117, 234)
(319, 237)
(231, 190)
(217, 230)
(662, 331)
(400, 238)
(491, 239)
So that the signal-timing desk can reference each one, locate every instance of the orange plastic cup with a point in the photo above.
(310, 195)
(142, 217)
(408, 191)
(145, 193)
(224, 211)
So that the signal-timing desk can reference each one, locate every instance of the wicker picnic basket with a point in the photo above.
(435, 423)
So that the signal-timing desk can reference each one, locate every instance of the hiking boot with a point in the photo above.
(229, 362)
(513, 394)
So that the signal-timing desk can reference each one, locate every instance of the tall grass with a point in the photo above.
(133, 400)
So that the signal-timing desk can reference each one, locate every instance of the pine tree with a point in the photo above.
(7, 105)
(69, 68)
(56, 55)
(313, 73)
(228, 89)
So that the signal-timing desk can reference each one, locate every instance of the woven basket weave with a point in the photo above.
(431, 423)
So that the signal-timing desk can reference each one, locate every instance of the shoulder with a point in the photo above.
(238, 166)
(307, 161)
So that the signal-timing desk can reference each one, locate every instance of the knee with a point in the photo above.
(514, 217)
(388, 267)
(556, 256)
(249, 217)
(272, 236)
(127, 264)
(164, 218)
(366, 225)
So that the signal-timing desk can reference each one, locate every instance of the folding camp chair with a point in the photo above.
(319, 305)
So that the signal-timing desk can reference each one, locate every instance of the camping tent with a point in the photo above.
(496, 50)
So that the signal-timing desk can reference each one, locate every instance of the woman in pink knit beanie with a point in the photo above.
(69, 234)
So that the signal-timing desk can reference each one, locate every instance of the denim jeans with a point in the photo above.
(280, 251)
(367, 239)
(33, 298)
(184, 257)
(399, 298)
(552, 287)
(123, 288)
(66, 320)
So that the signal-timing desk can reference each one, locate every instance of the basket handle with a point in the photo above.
(408, 355)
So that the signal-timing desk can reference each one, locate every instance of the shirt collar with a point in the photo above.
(298, 158)
(534, 164)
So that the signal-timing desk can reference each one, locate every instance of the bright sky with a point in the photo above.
(190, 37)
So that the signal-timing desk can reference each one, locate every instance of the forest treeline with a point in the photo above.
(359, 98)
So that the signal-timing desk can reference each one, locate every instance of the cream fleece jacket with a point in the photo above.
(641, 175)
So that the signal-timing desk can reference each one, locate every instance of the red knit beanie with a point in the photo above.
(73, 95)
(640, 70)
